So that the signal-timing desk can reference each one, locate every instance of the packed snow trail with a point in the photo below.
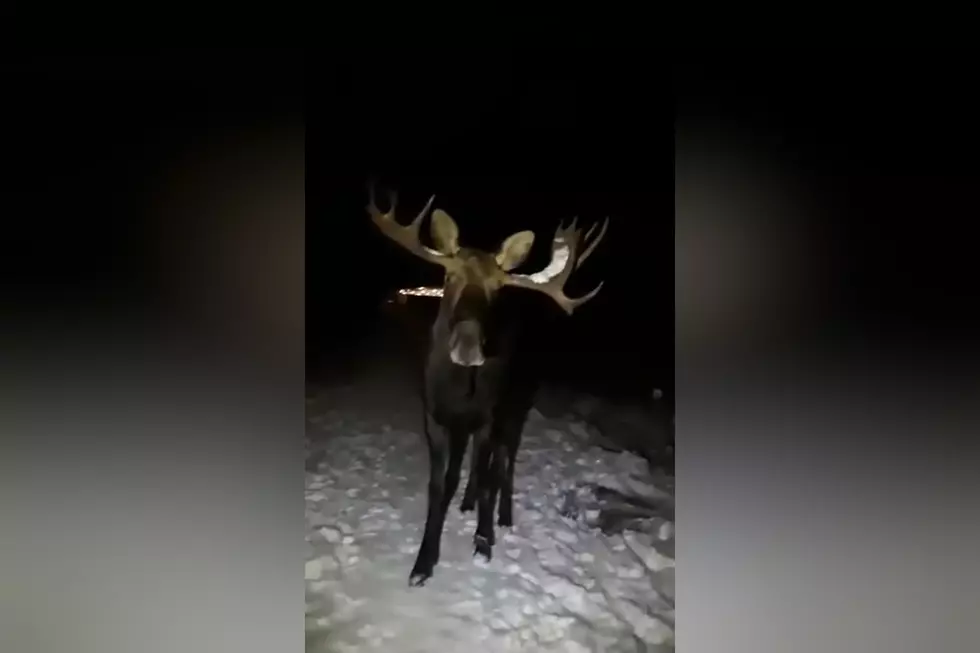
(556, 582)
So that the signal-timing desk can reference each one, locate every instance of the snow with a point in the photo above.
(556, 582)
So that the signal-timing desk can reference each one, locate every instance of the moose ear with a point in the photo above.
(445, 233)
(514, 250)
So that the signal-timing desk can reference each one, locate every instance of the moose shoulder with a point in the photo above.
(474, 384)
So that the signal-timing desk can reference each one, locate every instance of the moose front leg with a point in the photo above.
(445, 459)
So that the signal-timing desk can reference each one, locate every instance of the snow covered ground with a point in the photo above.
(556, 583)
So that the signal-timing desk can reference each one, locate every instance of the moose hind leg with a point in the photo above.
(457, 449)
(505, 512)
(470, 493)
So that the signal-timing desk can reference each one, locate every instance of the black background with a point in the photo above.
(506, 141)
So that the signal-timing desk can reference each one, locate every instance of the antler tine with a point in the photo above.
(575, 303)
(416, 224)
(405, 235)
(592, 243)
(588, 233)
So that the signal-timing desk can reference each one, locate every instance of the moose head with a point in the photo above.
(474, 277)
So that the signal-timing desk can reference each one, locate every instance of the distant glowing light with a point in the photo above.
(421, 291)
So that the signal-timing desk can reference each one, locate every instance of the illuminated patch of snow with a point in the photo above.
(555, 582)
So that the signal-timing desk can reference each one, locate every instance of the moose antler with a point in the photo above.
(405, 235)
(564, 259)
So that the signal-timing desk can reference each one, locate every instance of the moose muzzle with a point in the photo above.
(466, 344)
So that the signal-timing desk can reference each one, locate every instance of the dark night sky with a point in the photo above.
(506, 143)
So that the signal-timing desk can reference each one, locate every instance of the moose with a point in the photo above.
(473, 383)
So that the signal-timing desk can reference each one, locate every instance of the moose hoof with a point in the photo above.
(467, 505)
(419, 575)
(483, 547)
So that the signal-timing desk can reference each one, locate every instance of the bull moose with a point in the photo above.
(473, 383)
